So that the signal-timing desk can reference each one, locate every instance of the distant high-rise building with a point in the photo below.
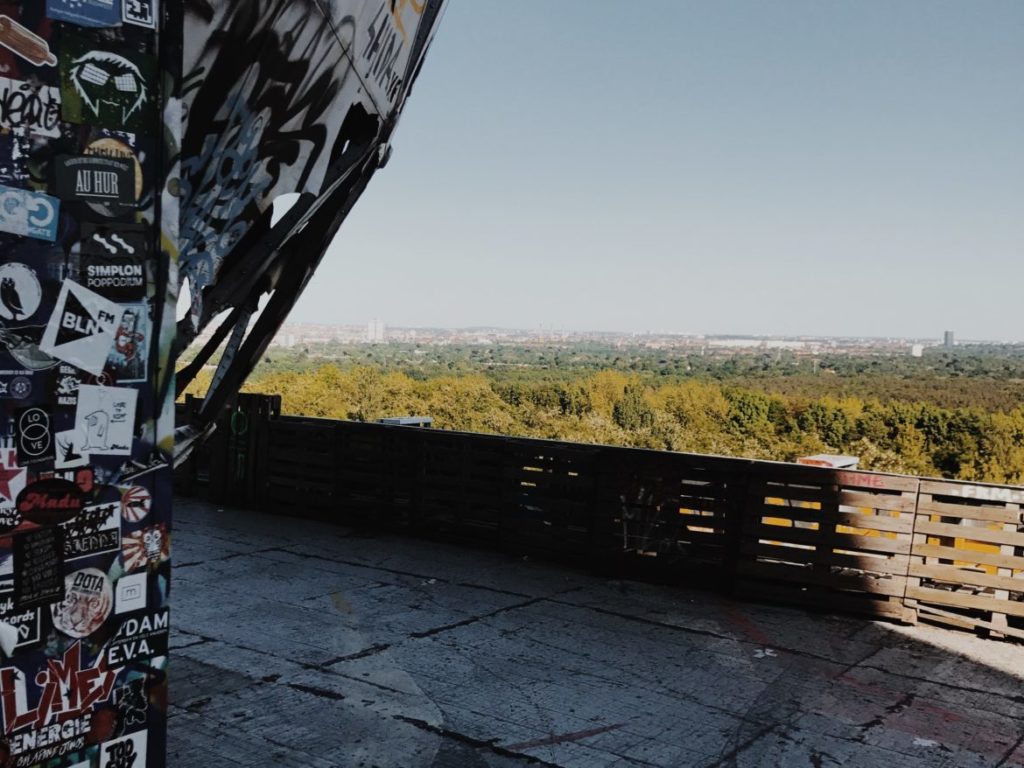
(917, 350)
(948, 341)
(375, 330)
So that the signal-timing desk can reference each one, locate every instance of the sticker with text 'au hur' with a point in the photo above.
(82, 328)
(96, 179)
(105, 420)
(108, 88)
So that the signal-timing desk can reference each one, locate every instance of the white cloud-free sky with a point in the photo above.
(840, 168)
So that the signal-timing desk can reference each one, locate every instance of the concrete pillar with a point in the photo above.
(87, 295)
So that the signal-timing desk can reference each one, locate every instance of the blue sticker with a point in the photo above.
(29, 214)
(86, 13)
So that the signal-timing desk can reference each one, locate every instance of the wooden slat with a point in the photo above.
(968, 556)
(961, 600)
(889, 585)
(837, 540)
(978, 491)
(987, 535)
(955, 575)
(986, 513)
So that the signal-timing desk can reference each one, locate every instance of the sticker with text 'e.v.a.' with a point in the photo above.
(29, 214)
(86, 13)
(96, 179)
(82, 328)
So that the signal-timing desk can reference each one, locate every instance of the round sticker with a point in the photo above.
(135, 503)
(110, 147)
(88, 598)
(20, 293)
(21, 387)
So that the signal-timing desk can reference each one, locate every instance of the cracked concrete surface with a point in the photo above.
(302, 644)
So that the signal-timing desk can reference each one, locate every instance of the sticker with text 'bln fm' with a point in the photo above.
(30, 107)
(105, 420)
(25, 43)
(86, 13)
(82, 328)
(29, 214)
(96, 179)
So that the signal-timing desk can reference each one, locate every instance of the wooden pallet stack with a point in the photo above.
(830, 539)
(967, 561)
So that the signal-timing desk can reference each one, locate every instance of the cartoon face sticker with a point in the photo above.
(106, 80)
(106, 88)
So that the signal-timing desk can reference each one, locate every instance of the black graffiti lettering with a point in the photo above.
(25, 106)
(121, 755)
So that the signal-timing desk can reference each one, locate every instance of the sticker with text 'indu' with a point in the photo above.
(82, 328)
(29, 214)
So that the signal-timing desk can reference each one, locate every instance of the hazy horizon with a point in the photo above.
(731, 168)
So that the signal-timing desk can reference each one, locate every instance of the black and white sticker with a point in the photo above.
(140, 12)
(34, 430)
(105, 420)
(20, 292)
(96, 179)
(127, 752)
(113, 261)
(82, 328)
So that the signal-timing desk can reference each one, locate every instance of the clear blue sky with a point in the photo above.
(840, 168)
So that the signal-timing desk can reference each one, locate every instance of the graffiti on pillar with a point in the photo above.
(281, 97)
(85, 277)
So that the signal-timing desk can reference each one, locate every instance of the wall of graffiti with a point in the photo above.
(281, 96)
(85, 283)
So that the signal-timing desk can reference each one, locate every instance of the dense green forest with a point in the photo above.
(951, 413)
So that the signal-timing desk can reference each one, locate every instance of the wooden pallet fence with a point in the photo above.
(463, 488)
(672, 510)
(827, 539)
(967, 562)
(553, 497)
(298, 478)
(886, 546)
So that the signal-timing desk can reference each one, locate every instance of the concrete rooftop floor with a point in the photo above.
(302, 644)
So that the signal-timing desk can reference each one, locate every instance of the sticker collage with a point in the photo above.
(84, 506)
